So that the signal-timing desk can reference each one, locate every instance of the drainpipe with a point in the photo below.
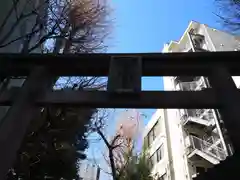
(170, 156)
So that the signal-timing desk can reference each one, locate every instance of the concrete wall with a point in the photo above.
(214, 41)
(222, 41)
(179, 158)
(159, 168)
(23, 27)
(12, 83)
(208, 45)
(88, 171)
(174, 161)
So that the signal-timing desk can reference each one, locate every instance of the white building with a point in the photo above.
(192, 140)
(155, 139)
(88, 171)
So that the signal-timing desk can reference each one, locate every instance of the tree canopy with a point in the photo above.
(229, 13)
(57, 136)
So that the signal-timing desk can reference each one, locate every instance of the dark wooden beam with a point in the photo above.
(227, 169)
(153, 64)
(103, 99)
(14, 124)
(228, 95)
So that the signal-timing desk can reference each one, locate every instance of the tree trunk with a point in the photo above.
(113, 168)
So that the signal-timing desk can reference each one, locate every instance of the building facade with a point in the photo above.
(13, 28)
(195, 139)
(17, 20)
(88, 171)
(155, 142)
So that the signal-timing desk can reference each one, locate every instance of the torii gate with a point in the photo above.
(124, 87)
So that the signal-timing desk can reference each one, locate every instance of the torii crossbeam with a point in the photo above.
(124, 88)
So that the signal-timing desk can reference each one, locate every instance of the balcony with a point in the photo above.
(198, 42)
(197, 119)
(196, 85)
(200, 150)
(200, 50)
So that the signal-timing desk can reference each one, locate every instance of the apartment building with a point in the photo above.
(17, 20)
(12, 27)
(88, 171)
(193, 140)
(155, 140)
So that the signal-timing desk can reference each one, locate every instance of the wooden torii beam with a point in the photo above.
(102, 99)
(42, 69)
(153, 64)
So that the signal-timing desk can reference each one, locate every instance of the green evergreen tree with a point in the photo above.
(53, 146)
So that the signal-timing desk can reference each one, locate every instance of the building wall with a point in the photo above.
(13, 83)
(161, 167)
(179, 159)
(23, 27)
(208, 44)
(222, 41)
(174, 161)
(5, 8)
(88, 171)
(215, 40)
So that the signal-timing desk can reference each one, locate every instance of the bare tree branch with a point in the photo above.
(8, 15)
(229, 14)
(104, 138)
(103, 170)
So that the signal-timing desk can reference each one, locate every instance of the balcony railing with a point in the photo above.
(203, 115)
(208, 148)
(185, 119)
(206, 114)
(201, 50)
(192, 86)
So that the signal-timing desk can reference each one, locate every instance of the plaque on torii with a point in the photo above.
(125, 75)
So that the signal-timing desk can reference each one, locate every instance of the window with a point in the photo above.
(152, 134)
(151, 161)
(156, 157)
(150, 137)
(159, 153)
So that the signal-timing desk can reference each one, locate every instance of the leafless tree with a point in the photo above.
(229, 13)
(119, 146)
(57, 26)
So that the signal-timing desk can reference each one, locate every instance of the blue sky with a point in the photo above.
(145, 25)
